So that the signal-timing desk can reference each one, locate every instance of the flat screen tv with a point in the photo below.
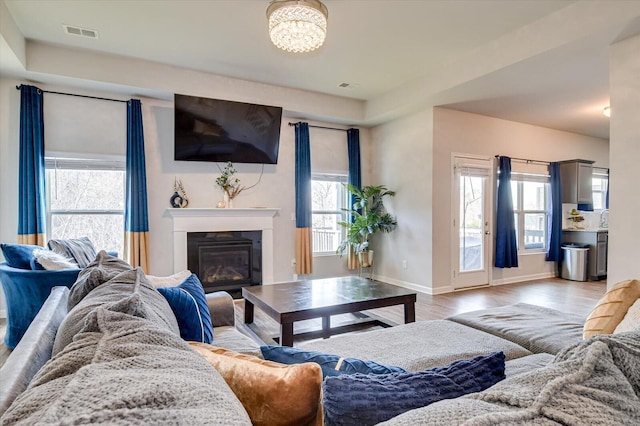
(217, 130)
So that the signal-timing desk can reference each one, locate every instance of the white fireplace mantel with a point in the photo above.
(221, 220)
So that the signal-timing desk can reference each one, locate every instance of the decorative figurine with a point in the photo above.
(179, 198)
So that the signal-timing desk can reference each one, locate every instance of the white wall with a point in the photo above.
(100, 128)
(413, 157)
(276, 189)
(624, 233)
(9, 131)
(402, 160)
(465, 133)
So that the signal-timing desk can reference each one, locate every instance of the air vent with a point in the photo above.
(348, 86)
(80, 32)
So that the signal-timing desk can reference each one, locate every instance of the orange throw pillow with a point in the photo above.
(612, 308)
(273, 394)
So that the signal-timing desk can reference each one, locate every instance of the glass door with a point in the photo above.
(471, 222)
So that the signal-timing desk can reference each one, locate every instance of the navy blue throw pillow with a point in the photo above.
(189, 304)
(370, 399)
(19, 255)
(332, 365)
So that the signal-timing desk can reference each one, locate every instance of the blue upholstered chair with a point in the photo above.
(25, 292)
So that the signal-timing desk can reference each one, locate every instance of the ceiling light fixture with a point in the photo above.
(607, 111)
(297, 25)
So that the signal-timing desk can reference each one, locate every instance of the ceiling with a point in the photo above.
(374, 46)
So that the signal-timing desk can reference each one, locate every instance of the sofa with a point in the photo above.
(87, 381)
(127, 365)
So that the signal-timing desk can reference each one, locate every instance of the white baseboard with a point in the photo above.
(522, 278)
(413, 286)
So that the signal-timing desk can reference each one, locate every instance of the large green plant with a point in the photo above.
(368, 217)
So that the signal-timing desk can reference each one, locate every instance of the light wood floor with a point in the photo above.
(568, 296)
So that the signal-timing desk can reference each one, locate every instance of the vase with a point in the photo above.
(228, 201)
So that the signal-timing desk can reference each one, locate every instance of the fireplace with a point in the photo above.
(226, 260)
(208, 221)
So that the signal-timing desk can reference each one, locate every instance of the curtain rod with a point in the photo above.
(320, 127)
(79, 96)
(546, 163)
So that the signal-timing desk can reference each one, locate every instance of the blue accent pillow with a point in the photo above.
(19, 255)
(189, 304)
(332, 365)
(370, 399)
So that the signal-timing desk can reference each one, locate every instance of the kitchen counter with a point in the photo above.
(586, 230)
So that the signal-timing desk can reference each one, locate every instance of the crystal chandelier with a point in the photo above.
(297, 25)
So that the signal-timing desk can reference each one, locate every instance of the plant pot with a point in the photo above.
(366, 258)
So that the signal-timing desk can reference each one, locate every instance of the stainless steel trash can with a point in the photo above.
(574, 265)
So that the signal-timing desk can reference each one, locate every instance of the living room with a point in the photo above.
(415, 142)
(408, 134)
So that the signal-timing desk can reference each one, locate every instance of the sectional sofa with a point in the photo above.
(126, 365)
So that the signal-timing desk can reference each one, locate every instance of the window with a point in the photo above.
(600, 183)
(86, 198)
(531, 210)
(329, 197)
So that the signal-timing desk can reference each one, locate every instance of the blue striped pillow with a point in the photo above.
(189, 305)
(81, 250)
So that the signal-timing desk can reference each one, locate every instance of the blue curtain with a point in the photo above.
(506, 245)
(31, 199)
(355, 179)
(136, 218)
(554, 251)
(304, 242)
(355, 170)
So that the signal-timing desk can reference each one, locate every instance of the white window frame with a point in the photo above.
(66, 162)
(520, 212)
(332, 177)
(602, 174)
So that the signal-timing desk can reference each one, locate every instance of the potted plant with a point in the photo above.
(368, 216)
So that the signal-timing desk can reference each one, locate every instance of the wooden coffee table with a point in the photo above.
(296, 301)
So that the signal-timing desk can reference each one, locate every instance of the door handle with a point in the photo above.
(487, 233)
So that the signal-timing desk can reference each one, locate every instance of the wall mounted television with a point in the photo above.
(220, 131)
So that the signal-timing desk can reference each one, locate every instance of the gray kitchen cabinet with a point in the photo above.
(597, 241)
(576, 178)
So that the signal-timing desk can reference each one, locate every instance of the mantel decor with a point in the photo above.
(179, 198)
(230, 184)
(297, 26)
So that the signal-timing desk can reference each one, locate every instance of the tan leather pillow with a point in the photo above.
(612, 308)
(273, 394)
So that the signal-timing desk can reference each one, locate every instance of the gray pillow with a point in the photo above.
(148, 304)
(81, 250)
(122, 369)
(101, 270)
